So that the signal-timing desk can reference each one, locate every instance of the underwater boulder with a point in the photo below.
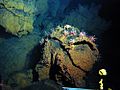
(17, 16)
(68, 55)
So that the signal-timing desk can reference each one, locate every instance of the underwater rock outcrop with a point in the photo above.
(68, 55)
(17, 16)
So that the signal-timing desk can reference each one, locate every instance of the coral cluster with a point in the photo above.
(68, 55)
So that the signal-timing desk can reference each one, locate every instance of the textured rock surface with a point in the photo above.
(17, 16)
(67, 57)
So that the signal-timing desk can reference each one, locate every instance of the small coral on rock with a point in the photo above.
(68, 55)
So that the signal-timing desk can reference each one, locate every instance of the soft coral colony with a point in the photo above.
(69, 35)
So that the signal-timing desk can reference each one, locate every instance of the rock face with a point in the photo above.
(68, 55)
(17, 16)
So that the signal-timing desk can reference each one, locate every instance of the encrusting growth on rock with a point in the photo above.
(68, 55)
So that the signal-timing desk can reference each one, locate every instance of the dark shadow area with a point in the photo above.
(75, 3)
(85, 42)
(110, 46)
(4, 34)
(34, 57)
(0, 79)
